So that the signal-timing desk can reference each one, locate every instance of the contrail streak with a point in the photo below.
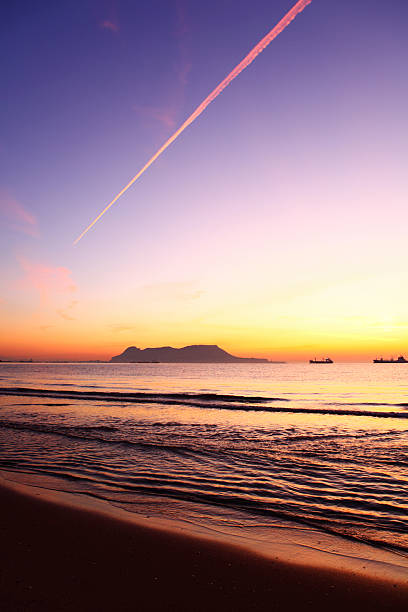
(248, 59)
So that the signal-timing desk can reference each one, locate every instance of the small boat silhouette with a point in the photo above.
(327, 360)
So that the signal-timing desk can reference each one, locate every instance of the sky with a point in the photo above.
(275, 226)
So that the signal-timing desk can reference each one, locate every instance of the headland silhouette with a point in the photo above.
(196, 353)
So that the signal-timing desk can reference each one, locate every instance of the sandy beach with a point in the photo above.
(59, 557)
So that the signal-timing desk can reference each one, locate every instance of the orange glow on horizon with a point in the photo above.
(50, 316)
(61, 342)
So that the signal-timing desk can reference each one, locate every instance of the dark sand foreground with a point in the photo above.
(56, 557)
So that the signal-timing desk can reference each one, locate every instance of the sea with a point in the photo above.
(320, 447)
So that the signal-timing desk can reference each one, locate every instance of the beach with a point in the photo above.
(58, 556)
(196, 488)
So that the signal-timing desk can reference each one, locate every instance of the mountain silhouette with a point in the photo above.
(197, 353)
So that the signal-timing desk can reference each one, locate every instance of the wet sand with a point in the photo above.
(58, 557)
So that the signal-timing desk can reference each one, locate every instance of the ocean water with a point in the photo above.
(317, 446)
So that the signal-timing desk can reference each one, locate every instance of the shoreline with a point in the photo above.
(279, 539)
(65, 553)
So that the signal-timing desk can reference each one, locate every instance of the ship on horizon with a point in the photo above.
(401, 359)
(326, 360)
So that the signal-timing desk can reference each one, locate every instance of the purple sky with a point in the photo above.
(303, 158)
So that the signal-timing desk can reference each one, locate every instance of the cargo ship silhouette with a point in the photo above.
(401, 359)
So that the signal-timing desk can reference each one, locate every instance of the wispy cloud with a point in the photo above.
(47, 280)
(119, 328)
(66, 313)
(108, 24)
(17, 217)
(166, 116)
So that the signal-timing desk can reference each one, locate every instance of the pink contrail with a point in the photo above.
(263, 43)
